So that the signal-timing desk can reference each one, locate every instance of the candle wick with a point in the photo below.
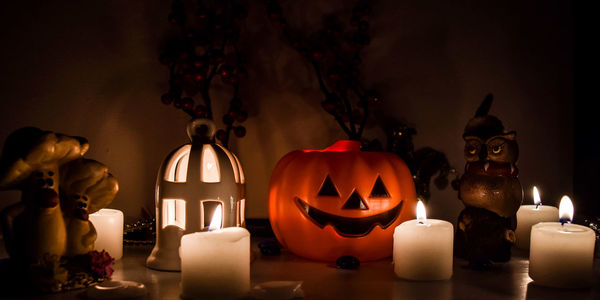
(538, 205)
(421, 222)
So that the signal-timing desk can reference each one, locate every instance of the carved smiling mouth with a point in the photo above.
(350, 227)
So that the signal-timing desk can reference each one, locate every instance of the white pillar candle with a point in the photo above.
(215, 264)
(529, 215)
(423, 248)
(562, 255)
(109, 228)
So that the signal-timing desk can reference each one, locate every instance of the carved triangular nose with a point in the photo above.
(355, 202)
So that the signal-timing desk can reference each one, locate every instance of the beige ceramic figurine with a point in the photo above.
(48, 235)
(86, 187)
(30, 162)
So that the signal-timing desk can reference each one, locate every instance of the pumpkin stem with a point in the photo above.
(344, 145)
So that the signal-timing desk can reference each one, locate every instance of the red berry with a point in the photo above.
(199, 77)
(274, 12)
(199, 63)
(317, 55)
(202, 13)
(334, 75)
(240, 131)
(232, 79)
(241, 116)
(372, 96)
(200, 110)
(174, 18)
(221, 135)
(177, 103)
(187, 103)
(329, 106)
(233, 113)
(225, 70)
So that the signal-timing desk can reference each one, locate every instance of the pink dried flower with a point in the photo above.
(100, 263)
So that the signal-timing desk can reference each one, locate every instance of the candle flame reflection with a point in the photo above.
(421, 215)
(536, 196)
(565, 210)
(215, 222)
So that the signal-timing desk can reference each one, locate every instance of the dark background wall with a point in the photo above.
(91, 68)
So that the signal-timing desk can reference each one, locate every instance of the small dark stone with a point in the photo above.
(347, 262)
(480, 264)
(269, 247)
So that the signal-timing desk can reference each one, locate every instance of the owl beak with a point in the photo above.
(482, 155)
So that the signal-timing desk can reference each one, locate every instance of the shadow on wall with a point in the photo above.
(92, 70)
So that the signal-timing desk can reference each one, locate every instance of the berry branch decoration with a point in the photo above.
(207, 47)
(334, 54)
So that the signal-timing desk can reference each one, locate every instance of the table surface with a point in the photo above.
(373, 280)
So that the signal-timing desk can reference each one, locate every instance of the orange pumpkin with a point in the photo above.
(340, 201)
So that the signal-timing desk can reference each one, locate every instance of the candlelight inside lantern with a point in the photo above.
(210, 167)
(215, 222)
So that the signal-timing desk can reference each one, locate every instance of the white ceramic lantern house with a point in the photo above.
(193, 181)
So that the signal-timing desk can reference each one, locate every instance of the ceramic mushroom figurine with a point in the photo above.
(490, 191)
(30, 162)
(86, 186)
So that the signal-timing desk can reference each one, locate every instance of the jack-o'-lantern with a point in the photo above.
(324, 204)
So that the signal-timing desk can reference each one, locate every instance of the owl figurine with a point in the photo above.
(489, 189)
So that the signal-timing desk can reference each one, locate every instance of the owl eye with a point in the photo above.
(472, 150)
(496, 149)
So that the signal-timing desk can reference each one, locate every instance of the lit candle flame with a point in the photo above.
(421, 215)
(565, 210)
(536, 197)
(215, 222)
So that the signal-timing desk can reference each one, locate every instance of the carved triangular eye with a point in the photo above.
(328, 189)
(379, 189)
